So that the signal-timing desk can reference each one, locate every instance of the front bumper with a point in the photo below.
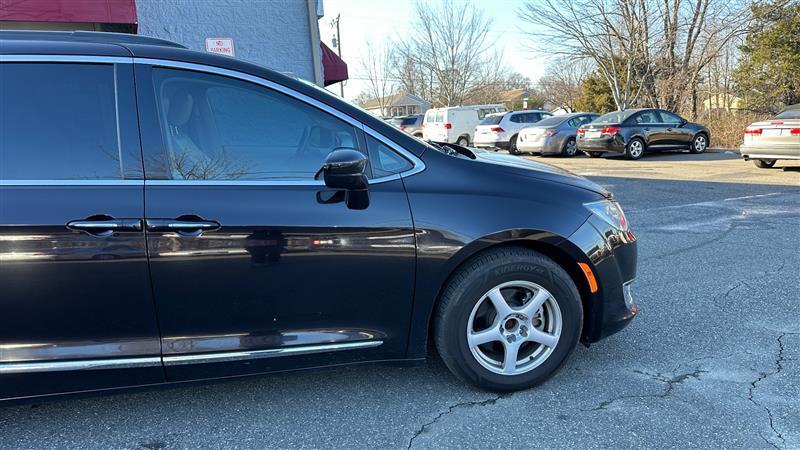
(611, 254)
(605, 144)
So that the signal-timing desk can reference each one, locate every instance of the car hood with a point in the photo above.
(539, 170)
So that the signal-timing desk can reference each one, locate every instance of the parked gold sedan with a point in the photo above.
(777, 138)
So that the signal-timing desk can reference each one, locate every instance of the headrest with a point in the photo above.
(180, 108)
(321, 137)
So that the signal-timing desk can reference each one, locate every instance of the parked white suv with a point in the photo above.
(455, 124)
(501, 130)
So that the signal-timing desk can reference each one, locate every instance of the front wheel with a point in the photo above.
(764, 163)
(699, 144)
(462, 141)
(570, 148)
(508, 319)
(634, 149)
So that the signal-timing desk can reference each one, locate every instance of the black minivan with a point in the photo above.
(169, 215)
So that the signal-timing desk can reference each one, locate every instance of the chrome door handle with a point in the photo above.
(105, 227)
(188, 227)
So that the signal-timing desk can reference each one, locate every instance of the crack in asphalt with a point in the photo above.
(714, 240)
(763, 376)
(450, 409)
(727, 293)
(670, 384)
(740, 283)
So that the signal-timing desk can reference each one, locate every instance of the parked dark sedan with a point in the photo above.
(170, 215)
(636, 131)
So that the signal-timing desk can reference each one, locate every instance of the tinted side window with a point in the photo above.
(668, 117)
(533, 117)
(518, 118)
(647, 117)
(219, 128)
(58, 122)
(384, 160)
(575, 122)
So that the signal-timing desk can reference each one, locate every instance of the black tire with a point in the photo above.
(570, 148)
(593, 154)
(462, 141)
(418, 135)
(635, 149)
(468, 286)
(764, 163)
(512, 146)
(699, 143)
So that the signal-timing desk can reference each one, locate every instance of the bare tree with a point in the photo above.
(377, 67)
(450, 50)
(692, 34)
(614, 34)
(561, 83)
(653, 48)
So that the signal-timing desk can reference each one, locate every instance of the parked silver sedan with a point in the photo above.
(777, 138)
(411, 124)
(554, 135)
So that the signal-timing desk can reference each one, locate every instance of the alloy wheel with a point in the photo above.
(700, 144)
(571, 148)
(514, 327)
(635, 149)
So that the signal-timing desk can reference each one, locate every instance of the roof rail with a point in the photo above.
(87, 36)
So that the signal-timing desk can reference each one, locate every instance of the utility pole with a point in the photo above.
(337, 44)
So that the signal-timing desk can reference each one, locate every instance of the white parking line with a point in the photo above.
(714, 202)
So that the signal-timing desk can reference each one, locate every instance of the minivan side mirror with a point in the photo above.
(344, 169)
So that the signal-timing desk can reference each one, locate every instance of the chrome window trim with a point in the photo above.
(71, 182)
(68, 59)
(93, 364)
(178, 360)
(288, 182)
(418, 164)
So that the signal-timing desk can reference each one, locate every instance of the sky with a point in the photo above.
(392, 19)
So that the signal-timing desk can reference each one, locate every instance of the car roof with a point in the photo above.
(523, 111)
(90, 43)
(79, 39)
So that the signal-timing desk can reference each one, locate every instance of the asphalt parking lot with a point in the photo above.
(713, 360)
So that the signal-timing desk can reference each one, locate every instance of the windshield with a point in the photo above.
(408, 121)
(397, 121)
(551, 121)
(789, 114)
(493, 119)
(614, 117)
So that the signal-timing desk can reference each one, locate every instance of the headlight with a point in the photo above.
(610, 212)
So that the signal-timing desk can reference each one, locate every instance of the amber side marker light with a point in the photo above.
(587, 271)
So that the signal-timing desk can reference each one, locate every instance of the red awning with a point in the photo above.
(334, 68)
(70, 11)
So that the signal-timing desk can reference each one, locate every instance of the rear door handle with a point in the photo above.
(105, 226)
(184, 227)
